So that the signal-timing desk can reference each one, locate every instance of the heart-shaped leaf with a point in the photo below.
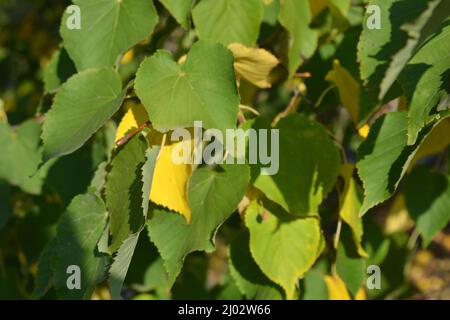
(201, 89)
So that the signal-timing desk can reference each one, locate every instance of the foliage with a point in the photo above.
(87, 178)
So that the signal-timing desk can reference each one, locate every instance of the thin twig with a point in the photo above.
(131, 134)
(303, 75)
(338, 234)
(247, 108)
(323, 95)
(3, 115)
(241, 117)
(290, 108)
(163, 143)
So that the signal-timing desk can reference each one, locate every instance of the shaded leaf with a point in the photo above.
(427, 196)
(179, 9)
(426, 81)
(384, 53)
(384, 157)
(435, 142)
(121, 263)
(59, 69)
(124, 190)
(248, 277)
(350, 266)
(349, 88)
(82, 105)
(350, 205)
(23, 144)
(44, 276)
(314, 286)
(305, 149)
(79, 231)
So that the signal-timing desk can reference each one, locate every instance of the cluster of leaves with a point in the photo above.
(362, 115)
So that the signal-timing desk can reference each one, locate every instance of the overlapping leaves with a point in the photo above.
(214, 194)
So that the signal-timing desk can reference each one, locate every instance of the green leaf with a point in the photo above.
(381, 159)
(314, 286)
(384, 158)
(229, 21)
(99, 179)
(201, 89)
(284, 247)
(124, 190)
(427, 197)
(59, 69)
(147, 272)
(179, 9)
(350, 266)
(248, 277)
(10, 286)
(108, 29)
(21, 155)
(213, 196)
(417, 31)
(426, 80)
(191, 282)
(295, 17)
(384, 53)
(79, 231)
(81, 106)
(5, 206)
(67, 168)
(349, 89)
(305, 149)
(44, 275)
(350, 200)
(127, 161)
(151, 155)
(121, 263)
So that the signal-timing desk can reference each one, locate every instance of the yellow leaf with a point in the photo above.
(398, 217)
(336, 288)
(402, 104)
(253, 64)
(133, 118)
(182, 59)
(350, 204)
(435, 142)
(364, 131)
(349, 88)
(317, 6)
(127, 57)
(267, 2)
(170, 180)
(3, 116)
(361, 294)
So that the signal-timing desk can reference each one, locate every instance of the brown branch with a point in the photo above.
(131, 134)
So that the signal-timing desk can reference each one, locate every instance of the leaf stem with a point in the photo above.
(337, 234)
(131, 134)
(247, 108)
